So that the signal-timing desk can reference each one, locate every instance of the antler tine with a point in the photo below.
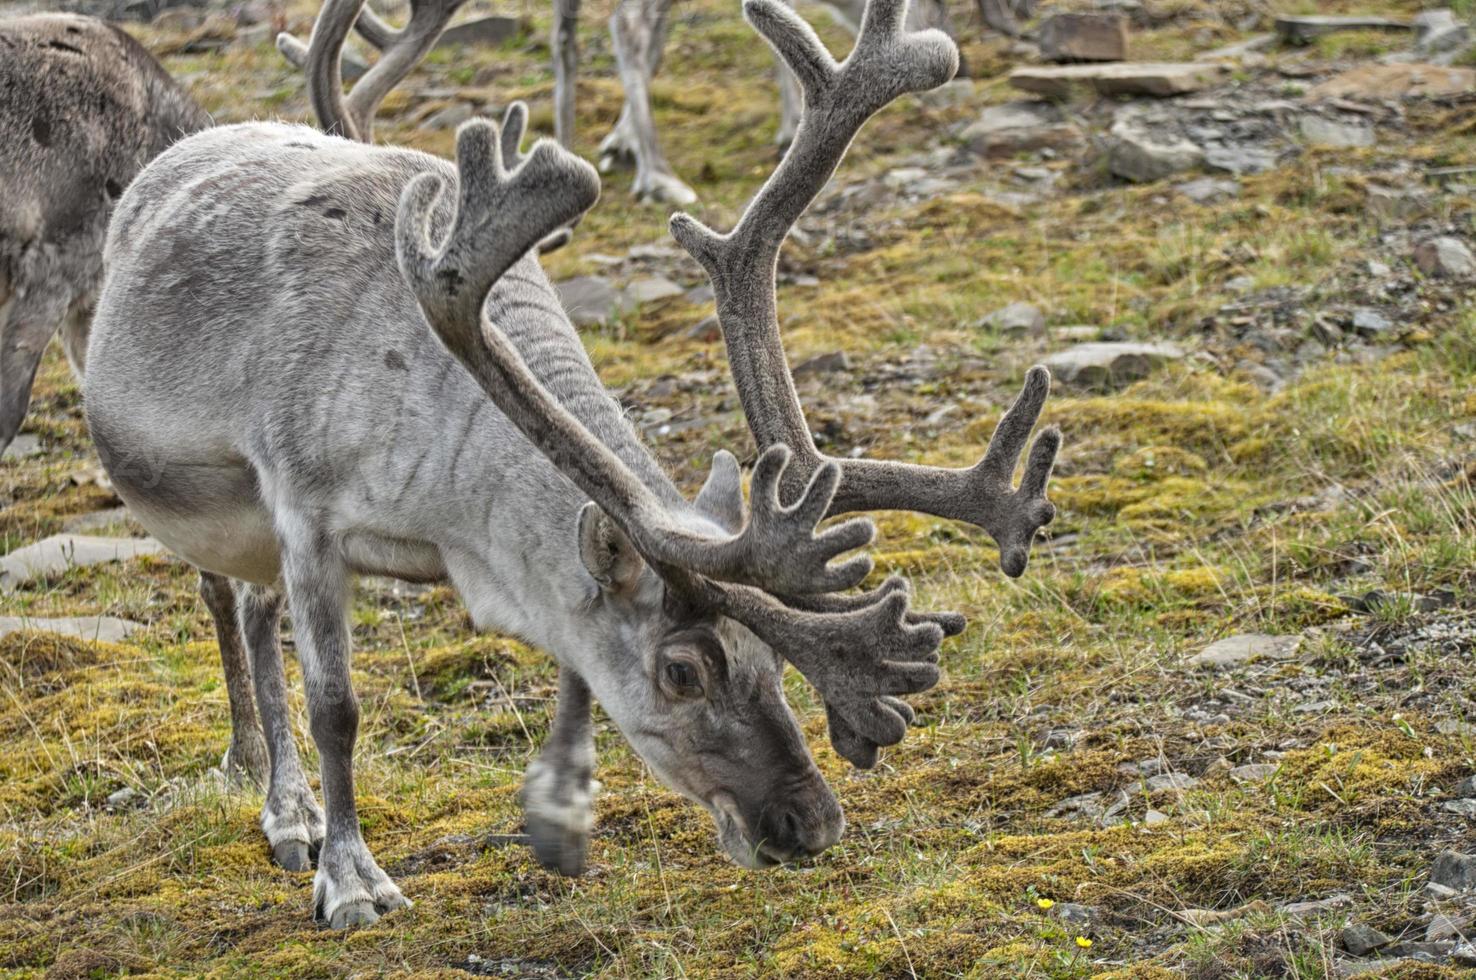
(885, 62)
(402, 50)
(500, 215)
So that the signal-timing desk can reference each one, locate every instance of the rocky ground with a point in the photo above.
(1223, 727)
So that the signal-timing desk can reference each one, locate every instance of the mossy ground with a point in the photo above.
(1193, 505)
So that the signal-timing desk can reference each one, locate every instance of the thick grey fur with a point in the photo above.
(84, 107)
(313, 428)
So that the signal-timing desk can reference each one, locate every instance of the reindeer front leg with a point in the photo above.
(638, 30)
(559, 788)
(349, 889)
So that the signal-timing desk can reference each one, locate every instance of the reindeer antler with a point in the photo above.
(839, 98)
(401, 50)
(859, 654)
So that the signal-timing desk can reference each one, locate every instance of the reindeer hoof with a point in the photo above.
(294, 855)
(662, 189)
(354, 914)
(559, 849)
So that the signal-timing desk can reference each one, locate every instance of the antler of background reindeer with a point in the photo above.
(772, 572)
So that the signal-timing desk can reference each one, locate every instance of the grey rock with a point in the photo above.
(489, 31)
(1437, 892)
(1243, 648)
(706, 330)
(1455, 871)
(823, 364)
(450, 117)
(1464, 954)
(1304, 30)
(650, 290)
(1106, 363)
(1087, 806)
(1155, 818)
(1208, 190)
(1255, 772)
(23, 445)
(1176, 781)
(1370, 323)
(1084, 37)
(1447, 926)
(1337, 133)
(54, 555)
(1235, 158)
(109, 629)
(1379, 270)
(1439, 31)
(1248, 51)
(959, 92)
(1466, 788)
(123, 797)
(1153, 79)
(589, 300)
(1017, 318)
(1464, 808)
(1019, 127)
(1142, 154)
(1397, 203)
(1445, 257)
(1309, 910)
(98, 520)
(1079, 917)
(1360, 940)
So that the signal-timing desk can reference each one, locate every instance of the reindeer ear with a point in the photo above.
(607, 553)
(721, 497)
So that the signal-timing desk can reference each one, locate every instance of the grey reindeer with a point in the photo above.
(345, 359)
(638, 31)
(82, 108)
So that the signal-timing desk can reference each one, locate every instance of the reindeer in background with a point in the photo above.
(638, 31)
(85, 107)
(346, 359)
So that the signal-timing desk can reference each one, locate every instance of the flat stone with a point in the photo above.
(1155, 818)
(1177, 781)
(98, 520)
(1305, 910)
(1248, 51)
(1255, 772)
(1155, 79)
(1370, 323)
(54, 555)
(706, 329)
(1237, 159)
(823, 364)
(489, 31)
(650, 290)
(1360, 940)
(1322, 131)
(1397, 203)
(1305, 30)
(1464, 954)
(1021, 127)
(1455, 871)
(1445, 258)
(1080, 917)
(1139, 153)
(1017, 318)
(1244, 648)
(23, 445)
(589, 300)
(1447, 926)
(1463, 808)
(1208, 190)
(1400, 81)
(1106, 363)
(1084, 37)
(108, 629)
(1439, 31)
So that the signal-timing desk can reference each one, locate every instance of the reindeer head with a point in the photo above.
(700, 603)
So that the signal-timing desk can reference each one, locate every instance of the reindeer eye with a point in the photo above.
(683, 676)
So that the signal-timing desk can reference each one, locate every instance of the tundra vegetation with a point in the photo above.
(1078, 798)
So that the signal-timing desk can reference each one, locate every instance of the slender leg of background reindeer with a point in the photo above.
(618, 148)
(566, 68)
(247, 754)
(27, 322)
(350, 889)
(638, 29)
(559, 788)
(291, 817)
(1004, 16)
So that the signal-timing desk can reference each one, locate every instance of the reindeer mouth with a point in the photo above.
(734, 837)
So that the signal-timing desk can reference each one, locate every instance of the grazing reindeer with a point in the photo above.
(84, 107)
(313, 428)
(638, 33)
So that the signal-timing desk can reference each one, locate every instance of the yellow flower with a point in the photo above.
(1043, 903)
(1083, 942)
